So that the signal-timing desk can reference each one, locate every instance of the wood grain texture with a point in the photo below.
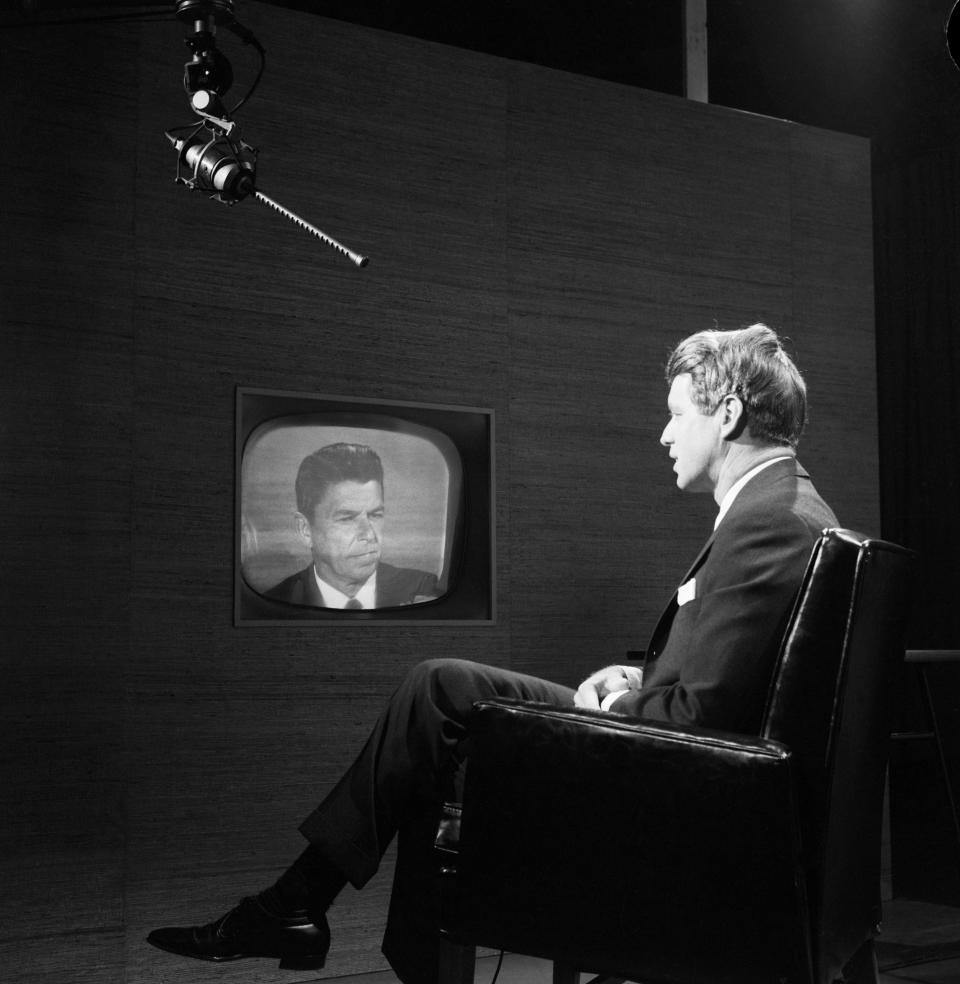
(538, 242)
(65, 377)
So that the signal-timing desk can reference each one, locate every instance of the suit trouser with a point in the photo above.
(408, 766)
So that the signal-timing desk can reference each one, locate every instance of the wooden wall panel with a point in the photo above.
(65, 357)
(538, 242)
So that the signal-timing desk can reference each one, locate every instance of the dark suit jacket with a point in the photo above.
(710, 660)
(395, 586)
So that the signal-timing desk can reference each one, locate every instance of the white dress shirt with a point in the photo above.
(332, 598)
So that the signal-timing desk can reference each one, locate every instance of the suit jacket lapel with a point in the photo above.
(662, 631)
(311, 592)
(700, 558)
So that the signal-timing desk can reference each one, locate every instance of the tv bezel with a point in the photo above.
(471, 595)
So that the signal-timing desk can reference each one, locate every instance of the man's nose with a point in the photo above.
(666, 440)
(366, 529)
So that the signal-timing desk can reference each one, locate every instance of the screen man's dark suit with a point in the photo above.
(709, 662)
(395, 586)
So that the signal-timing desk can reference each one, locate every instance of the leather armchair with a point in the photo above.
(657, 853)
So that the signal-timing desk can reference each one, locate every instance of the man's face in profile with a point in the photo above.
(693, 437)
(345, 533)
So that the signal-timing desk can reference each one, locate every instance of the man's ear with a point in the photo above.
(303, 528)
(733, 419)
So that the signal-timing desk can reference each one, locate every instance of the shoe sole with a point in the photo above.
(288, 961)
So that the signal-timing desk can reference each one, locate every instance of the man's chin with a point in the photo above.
(362, 568)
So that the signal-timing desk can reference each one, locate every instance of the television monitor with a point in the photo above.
(333, 493)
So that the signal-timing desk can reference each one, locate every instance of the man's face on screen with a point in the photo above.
(345, 534)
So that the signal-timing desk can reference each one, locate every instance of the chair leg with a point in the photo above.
(565, 974)
(457, 962)
(862, 967)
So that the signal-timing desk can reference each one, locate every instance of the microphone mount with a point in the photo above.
(213, 157)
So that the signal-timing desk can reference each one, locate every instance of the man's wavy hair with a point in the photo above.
(330, 465)
(751, 363)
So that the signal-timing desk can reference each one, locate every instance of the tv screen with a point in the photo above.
(362, 511)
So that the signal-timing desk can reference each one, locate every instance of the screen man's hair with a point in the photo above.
(751, 363)
(332, 464)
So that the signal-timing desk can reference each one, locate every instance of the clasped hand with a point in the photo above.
(609, 680)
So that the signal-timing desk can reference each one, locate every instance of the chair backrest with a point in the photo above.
(830, 703)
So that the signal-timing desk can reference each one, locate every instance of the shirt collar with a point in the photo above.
(332, 598)
(734, 489)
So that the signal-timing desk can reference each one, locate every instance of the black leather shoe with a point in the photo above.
(250, 930)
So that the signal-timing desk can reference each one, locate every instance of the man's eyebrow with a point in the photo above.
(350, 513)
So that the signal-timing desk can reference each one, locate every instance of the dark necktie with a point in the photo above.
(353, 603)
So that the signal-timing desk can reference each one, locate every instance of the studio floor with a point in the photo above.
(920, 942)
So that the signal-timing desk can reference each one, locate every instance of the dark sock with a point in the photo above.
(310, 883)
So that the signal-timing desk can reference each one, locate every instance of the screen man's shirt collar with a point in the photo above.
(332, 598)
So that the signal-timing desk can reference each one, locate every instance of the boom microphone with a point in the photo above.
(213, 157)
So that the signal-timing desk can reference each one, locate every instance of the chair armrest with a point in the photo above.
(585, 833)
(630, 722)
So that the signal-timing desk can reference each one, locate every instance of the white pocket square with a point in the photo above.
(687, 592)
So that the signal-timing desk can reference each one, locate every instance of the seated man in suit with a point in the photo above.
(340, 515)
(737, 405)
